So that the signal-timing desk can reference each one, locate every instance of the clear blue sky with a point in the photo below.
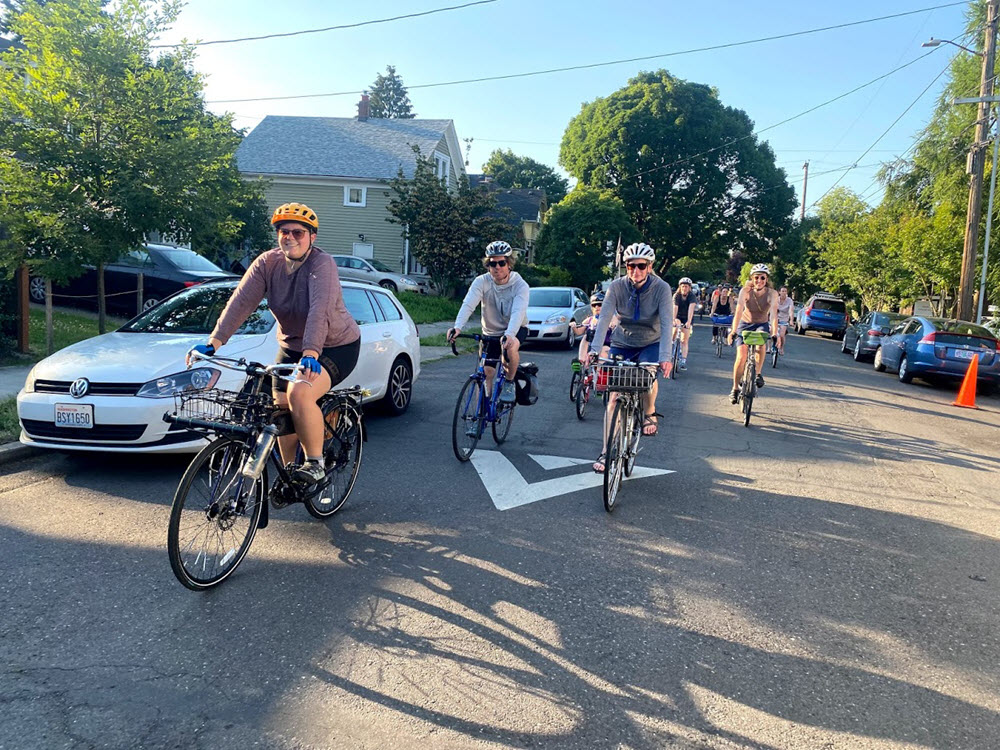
(770, 81)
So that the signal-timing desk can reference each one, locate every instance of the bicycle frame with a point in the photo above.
(493, 408)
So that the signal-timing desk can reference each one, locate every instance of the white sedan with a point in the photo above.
(110, 392)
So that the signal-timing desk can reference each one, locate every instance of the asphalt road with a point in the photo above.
(825, 578)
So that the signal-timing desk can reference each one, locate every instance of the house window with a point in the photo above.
(355, 196)
(442, 167)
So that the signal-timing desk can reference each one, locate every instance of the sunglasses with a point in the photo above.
(296, 233)
(760, 277)
(496, 263)
(596, 304)
(637, 266)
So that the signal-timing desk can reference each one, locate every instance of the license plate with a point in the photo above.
(964, 353)
(80, 416)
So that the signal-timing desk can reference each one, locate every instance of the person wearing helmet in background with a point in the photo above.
(722, 305)
(756, 310)
(503, 295)
(644, 305)
(315, 330)
(685, 302)
(589, 326)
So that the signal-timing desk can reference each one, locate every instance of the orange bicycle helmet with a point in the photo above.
(299, 212)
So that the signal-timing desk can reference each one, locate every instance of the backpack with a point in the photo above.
(526, 383)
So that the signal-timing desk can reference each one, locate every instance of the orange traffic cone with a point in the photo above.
(967, 393)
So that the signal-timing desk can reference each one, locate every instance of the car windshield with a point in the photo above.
(196, 311)
(550, 298)
(834, 305)
(186, 260)
(380, 266)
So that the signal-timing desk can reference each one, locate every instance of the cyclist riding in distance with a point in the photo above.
(685, 302)
(302, 287)
(503, 295)
(722, 305)
(589, 326)
(643, 303)
(785, 307)
(756, 310)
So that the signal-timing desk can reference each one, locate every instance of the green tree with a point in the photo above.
(99, 145)
(688, 169)
(795, 258)
(388, 97)
(511, 171)
(577, 231)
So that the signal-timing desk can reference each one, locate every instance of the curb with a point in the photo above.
(10, 452)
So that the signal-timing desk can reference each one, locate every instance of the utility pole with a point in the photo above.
(805, 184)
(977, 160)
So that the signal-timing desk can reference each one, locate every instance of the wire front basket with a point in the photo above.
(216, 405)
(625, 378)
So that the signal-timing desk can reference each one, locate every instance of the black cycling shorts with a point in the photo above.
(493, 346)
(338, 361)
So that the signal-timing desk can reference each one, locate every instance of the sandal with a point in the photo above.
(600, 462)
(650, 421)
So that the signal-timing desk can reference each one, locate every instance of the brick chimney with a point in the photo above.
(363, 108)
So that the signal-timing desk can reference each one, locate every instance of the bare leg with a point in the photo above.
(308, 418)
(513, 359)
(685, 335)
(649, 407)
(741, 360)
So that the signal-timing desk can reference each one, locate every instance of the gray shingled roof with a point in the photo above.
(337, 146)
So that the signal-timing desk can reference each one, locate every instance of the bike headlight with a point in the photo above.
(29, 382)
(197, 379)
(557, 318)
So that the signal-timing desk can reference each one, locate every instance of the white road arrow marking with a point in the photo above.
(558, 462)
(508, 489)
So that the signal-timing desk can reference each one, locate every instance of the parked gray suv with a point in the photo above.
(375, 272)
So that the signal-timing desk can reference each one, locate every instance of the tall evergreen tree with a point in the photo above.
(389, 98)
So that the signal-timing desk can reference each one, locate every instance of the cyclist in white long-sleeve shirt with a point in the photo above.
(503, 295)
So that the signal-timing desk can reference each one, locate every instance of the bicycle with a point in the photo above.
(748, 386)
(574, 382)
(222, 498)
(475, 408)
(588, 384)
(772, 352)
(675, 350)
(722, 322)
(630, 381)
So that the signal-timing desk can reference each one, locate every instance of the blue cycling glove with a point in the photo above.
(310, 364)
(207, 349)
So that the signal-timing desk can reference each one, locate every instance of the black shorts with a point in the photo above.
(338, 361)
(493, 346)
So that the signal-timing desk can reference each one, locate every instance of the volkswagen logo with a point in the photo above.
(79, 388)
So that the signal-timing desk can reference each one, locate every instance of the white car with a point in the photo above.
(109, 393)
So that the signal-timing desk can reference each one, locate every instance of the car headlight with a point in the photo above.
(411, 282)
(197, 379)
(557, 318)
(29, 382)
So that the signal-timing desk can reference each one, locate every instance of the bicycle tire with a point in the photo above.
(574, 385)
(467, 423)
(749, 375)
(774, 357)
(217, 466)
(674, 357)
(342, 451)
(501, 425)
(614, 458)
(718, 342)
(633, 431)
(582, 398)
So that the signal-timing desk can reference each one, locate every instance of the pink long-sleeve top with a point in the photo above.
(307, 303)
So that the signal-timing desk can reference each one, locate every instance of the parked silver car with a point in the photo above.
(375, 272)
(551, 309)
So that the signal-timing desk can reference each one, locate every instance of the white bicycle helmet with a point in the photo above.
(685, 280)
(760, 268)
(498, 247)
(639, 251)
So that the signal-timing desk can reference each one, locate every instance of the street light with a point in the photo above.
(932, 42)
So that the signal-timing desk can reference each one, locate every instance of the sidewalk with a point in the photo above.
(12, 379)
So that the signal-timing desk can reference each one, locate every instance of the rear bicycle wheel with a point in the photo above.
(214, 515)
(582, 397)
(614, 459)
(774, 355)
(467, 424)
(501, 426)
(343, 442)
(574, 385)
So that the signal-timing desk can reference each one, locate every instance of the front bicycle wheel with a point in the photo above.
(614, 459)
(774, 356)
(674, 358)
(343, 442)
(574, 385)
(749, 389)
(582, 397)
(214, 515)
(633, 431)
(467, 424)
(505, 418)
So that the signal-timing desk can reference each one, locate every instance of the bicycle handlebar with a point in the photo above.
(253, 368)
(477, 337)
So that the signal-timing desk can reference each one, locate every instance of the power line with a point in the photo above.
(327, 28)
(589, 66)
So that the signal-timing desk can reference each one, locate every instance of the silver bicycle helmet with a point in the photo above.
(498, 247)
(639, 251)
(760, 268)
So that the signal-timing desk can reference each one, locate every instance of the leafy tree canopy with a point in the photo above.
(689, 170)
(388, 97)
(511, 171)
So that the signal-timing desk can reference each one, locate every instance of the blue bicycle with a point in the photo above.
(475, 407)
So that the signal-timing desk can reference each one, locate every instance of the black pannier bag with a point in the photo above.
(526, 381)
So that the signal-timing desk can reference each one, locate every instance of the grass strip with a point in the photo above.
(9, 428)
(426, 309)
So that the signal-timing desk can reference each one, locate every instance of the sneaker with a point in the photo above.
(759, 381)
(734, 397)
(310, 472)
(509, 393)
(683, 364)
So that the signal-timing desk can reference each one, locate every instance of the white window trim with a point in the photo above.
(445, 161)
(347, 196)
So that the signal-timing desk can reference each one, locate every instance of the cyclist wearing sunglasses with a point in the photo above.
(756, 310)
(503, 295)
(303, 292)
(589, 326)
(685, 302)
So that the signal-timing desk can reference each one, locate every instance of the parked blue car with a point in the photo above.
(823, 312)
(938, 348)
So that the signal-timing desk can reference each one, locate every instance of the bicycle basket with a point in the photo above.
(754, 338)
(624, 379)
(216, 405)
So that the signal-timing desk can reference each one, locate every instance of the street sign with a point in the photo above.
(508, 489)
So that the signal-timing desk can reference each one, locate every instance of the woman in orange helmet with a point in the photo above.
(303, 292)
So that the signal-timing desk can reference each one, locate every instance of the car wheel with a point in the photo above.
(905, 376)
(878, 365)
(149, 303)
(36, 289)
(570, 338)
(843, 344)
(386, 284)
(858, 354)
(399, 390)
